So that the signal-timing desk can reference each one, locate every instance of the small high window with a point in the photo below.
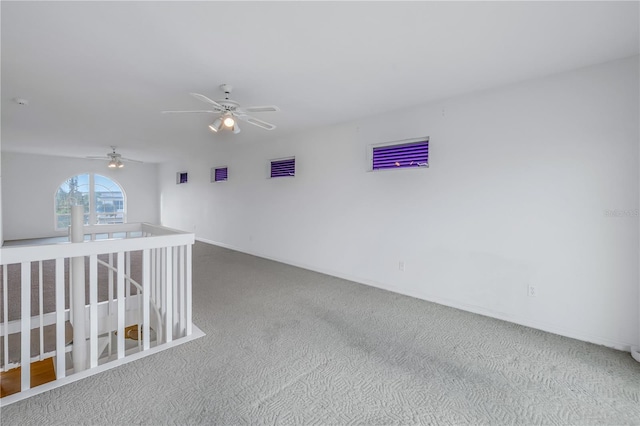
(219, 174)
(284, 167)
(182, 177)
(402, 154)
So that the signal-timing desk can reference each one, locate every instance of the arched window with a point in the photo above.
(103, 200)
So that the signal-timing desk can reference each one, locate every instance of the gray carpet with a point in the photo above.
(290, 346)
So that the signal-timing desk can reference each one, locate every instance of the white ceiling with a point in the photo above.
(99, 73)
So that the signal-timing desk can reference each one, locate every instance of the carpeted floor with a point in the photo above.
(289, 346)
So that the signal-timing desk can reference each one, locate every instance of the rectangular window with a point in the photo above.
(219, 174)
(400, 155)
(181, 177)
(281, 168)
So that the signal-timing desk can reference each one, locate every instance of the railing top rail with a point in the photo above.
(105, 229)
(159, 230)
(18, 254)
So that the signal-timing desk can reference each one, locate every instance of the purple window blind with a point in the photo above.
(220, 174)
(282, 168)
(415, 154)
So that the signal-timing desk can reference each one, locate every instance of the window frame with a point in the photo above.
(371, 147)
(179, 176)
(213, 174)
(281, 159)
(93, 208)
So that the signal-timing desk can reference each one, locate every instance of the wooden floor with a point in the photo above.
(41, 372)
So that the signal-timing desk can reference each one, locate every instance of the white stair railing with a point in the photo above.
(160, 300)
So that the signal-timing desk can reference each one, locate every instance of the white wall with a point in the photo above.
(31, 181)
(519, 181)
(1, 233)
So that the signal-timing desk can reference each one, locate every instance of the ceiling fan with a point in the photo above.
(230, 112)
(115, 159)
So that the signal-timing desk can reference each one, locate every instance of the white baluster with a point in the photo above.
(168, 292)
(127, 271)
(93, 310)
(121, 299)
(163, 282)
(110, 302)
(41, 306)
(188, 290)
(146, 287)
(174, 287)
(25, 326)
(78, 290)
(181, 284)
(152, 274)
(158, 280)
(5, 307)
(60, 320)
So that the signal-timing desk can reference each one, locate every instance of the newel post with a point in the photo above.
(79, 352)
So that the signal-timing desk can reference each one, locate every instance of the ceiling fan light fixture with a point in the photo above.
(230, 112)
(229, 121)
(216, 125)
(115, 160)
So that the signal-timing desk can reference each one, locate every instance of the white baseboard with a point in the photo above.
(550, 328)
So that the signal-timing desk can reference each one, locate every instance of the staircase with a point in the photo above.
(138, 302)
(42, 372)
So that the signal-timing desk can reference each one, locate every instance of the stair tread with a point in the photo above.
(41, 372)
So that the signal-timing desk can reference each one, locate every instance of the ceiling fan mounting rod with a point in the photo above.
(226, 88)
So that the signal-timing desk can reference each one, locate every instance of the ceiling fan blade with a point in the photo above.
(263, 108)
(129, 160)
(96, 157)
(183, 112)
(203, 98)
(256, 122)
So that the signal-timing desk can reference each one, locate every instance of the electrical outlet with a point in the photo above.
(401, 265)
(532, 290)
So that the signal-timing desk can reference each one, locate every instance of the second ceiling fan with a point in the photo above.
(230, 112)
(115, 159)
